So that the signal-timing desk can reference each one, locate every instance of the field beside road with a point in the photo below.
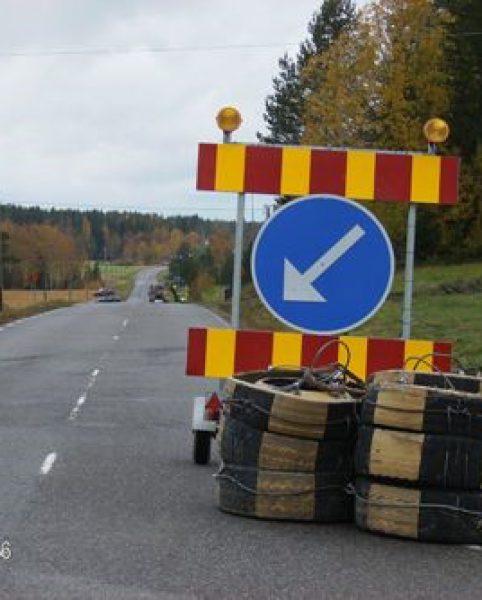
(447, 305)
(18, 304)
(23, 303)
(119, 277)
(15, 299)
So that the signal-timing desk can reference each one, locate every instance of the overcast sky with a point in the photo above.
(120, 130)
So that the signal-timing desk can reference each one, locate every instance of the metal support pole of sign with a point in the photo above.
(238, 252)
(409, 264)
(238, 257)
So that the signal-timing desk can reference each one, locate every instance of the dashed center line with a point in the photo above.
(92, 379)
(48, 463)
(82, 399)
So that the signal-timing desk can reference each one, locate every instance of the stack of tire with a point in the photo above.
(418, 458)
(286, 455)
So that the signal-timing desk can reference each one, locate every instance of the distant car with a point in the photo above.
(156, 292)
(102, 292)
(113, 297)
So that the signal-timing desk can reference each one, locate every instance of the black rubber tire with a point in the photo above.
(310, 414)
(245, 446)
(283, 496)
(423, 409)
(461, 383)
(201, 447)
(423, 460)
(430, 515)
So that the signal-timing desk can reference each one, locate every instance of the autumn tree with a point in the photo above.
(342, 103)
(375, 88)
(378, 84)
(464, 59)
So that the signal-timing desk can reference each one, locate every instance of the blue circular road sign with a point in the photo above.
(322, 264)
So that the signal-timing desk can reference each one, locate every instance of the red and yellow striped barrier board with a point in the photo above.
(303, 170)
(223, 352)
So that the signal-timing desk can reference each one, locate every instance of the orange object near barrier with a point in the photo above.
(304, 170)
(221, 353)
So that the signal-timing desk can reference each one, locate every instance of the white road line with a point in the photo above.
(477, 548)
(48, 463)
(95, 372)
(125, 322)
(115, 338)
(75, 411)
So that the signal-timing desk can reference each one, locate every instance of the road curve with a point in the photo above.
(99, 497)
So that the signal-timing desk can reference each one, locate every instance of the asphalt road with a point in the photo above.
(99, 497)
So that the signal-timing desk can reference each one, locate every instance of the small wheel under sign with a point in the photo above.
(202, 447)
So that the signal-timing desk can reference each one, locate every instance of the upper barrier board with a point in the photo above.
(304, 170)
(223, 352)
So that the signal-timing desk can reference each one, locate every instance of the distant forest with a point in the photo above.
(113, 235)
(55, 248)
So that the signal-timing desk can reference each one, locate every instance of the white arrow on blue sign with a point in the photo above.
(322, 264)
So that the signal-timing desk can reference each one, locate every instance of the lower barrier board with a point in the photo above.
(221, 353)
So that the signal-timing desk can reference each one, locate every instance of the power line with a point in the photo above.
(146, 50)
(164, 50)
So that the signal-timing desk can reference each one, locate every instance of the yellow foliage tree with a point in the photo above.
(377, 85)
(411, 69)
(343, 91)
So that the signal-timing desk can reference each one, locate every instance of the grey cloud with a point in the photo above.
(121, 130)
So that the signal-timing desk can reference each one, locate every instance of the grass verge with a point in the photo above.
(447, 305)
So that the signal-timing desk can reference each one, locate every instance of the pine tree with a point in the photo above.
(462, 224)
(464, 57)
(284, 108)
